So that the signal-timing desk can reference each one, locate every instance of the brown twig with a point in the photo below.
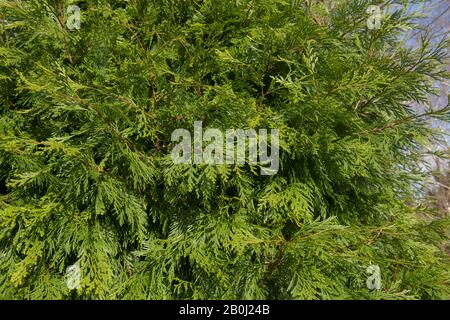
(61, 22)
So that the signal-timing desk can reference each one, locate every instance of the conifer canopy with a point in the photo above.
(88, 188)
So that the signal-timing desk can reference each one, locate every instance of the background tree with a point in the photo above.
(440, 194)
(86, 177)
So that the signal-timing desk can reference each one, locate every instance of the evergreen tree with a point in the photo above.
(86, 175)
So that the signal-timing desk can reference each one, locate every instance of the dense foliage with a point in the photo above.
(86, 177)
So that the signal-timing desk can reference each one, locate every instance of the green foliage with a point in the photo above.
(85, 138)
